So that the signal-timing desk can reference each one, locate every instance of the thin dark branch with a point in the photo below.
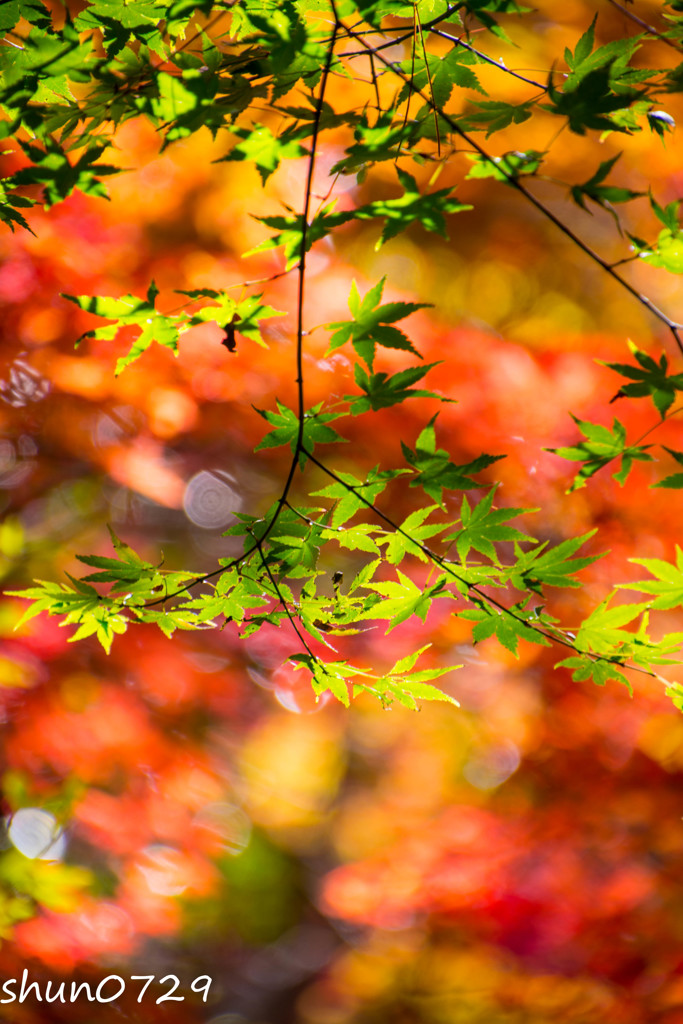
(650, 29)
(412, 76)
(429, 82)
(375, 83)
(428, 25)
(304, 238)
(261, 280)
(626, 259)
(282, 500)
(282, 601)
(549, 633)
(488, 60)
(673, 325)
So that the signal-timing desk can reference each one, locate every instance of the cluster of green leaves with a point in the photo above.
(63, 90)
(600, 447)
(232, 316)
(647, 378)
(667, 252)
(602, 91)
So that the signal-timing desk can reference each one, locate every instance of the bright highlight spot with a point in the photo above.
(209, 501)
(36, 834)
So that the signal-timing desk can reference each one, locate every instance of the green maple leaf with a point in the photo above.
(600, 84)
(483, 526)
(263, 149)
(44, 61)
(406, 686)
(412, 206)
(10, 204)
(286, 429)
(675, 481)
(649, 378)
(382, 390)
(603, 195)
(130, 16)
(372, 324)
(667, 253)
(614, 56)
(354, 538)
(232, 598)
(588, 101)
(12, 11)
(250, 312)
(123, 571)
(507, 627)
(434, 470)
(503, 168)
(290, 232)
(243, 317)
(601, 446)
(553, 567)
(376, 141)
(494, 115)
(413, 532)
(58, 176)
(348, 492)
(667, 585)
(484, 10)
(602, 632)
(440, 76)
(79, 604)
(331, 675)
(131, 311)
(600, 671)
(399, 600)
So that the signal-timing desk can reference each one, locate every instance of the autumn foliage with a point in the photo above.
(516, 858)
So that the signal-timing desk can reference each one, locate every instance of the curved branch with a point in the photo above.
(674, 326)
(299, 448)
(558, 637)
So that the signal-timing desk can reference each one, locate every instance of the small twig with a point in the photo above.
(643, 24)
(375, 82)
(626, 259)
(262, 280)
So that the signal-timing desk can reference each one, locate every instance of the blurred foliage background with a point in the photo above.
(184, 806)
